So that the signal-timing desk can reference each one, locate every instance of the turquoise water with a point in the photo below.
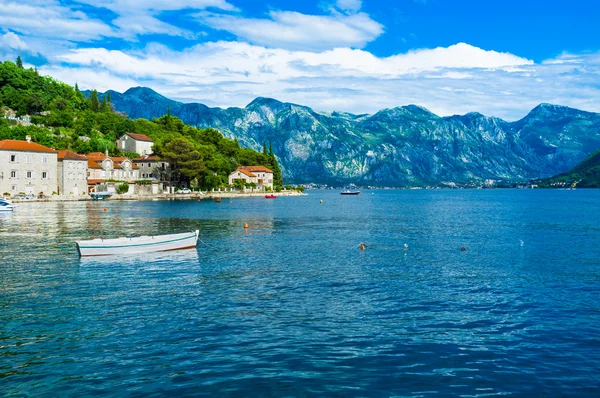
(292, 307)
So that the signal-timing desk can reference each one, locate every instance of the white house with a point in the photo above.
(27, 167)
(260, 175)
(102, 168)
(72, 173)
(138, 143)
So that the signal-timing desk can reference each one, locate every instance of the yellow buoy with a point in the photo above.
(246, 226)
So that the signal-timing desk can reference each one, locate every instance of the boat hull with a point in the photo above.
(138, 245)
(349, 193)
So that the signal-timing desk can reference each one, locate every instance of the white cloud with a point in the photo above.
(11, 41)
(137, 7)
(349, 5)
(51, 20)
(297, 31)
(456, 79)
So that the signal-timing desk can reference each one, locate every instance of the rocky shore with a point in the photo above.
(194, 195)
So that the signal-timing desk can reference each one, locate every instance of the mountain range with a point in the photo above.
(403, 146)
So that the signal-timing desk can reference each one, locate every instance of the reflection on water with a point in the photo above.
(290, 306)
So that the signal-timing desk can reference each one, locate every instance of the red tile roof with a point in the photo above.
(247, 172)
(255, 169)
(139, 137)
(147, 158)
(94, 182)
(24, 146)
(93, 165)
(66, 154)
(96, 156)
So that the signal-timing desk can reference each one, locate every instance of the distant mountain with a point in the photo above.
(584, 175)
(402, 146)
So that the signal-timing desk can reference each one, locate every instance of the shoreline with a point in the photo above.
(194, 195)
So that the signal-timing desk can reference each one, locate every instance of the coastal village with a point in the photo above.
(30, 171)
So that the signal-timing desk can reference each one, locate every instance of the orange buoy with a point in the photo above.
(105, 209)
(246, 225)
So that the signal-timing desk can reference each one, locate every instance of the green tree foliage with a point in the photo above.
(19, 62)
(87, 125)
(94, 102)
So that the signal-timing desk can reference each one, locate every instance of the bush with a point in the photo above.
(123, 188)
(6, 194)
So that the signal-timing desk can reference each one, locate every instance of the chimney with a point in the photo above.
(28, 138)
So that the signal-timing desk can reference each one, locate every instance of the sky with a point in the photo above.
(500, 58)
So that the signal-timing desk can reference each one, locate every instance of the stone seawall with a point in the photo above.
(194, 195)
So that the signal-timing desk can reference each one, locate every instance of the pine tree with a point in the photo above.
(265, 148)
(94, 103)
(19, 62)
(104, 106)
(108, 97)
(76, 88)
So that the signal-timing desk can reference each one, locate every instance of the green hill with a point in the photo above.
(62, 117)
(585, 175)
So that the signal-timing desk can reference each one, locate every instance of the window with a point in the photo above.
(44, 159)
(13, 158)
(13, 188)
(29, 158)
(149, 165)
(29, 174)
(44, 175)
(13, 174)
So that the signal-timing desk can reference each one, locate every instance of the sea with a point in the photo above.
(468, 293)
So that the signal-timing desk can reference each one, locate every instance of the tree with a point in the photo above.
(108, 97)
(265, 148)
(35, 103)
(94, 103)
(184, 160)
(19, 62)
(104, 106)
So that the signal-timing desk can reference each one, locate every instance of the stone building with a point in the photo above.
(260, 175)
(27, 167)
(152, 167)
(138, 143)
(102, 167)
(72, 173)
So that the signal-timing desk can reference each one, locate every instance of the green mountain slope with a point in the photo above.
(585, 175)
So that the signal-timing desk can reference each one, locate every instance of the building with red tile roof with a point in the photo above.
(72, 173)
(27, 167)
(138, 143)
(260, 175)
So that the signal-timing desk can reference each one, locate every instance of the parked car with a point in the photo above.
(184, 190)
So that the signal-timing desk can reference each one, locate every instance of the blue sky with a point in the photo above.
(498, 58)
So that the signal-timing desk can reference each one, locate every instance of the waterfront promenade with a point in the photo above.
(164, 196)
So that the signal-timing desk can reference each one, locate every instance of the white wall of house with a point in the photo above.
(72, 177)
(128, 144)
(28, 172)
(261, 179)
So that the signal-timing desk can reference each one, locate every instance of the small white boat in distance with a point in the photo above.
(5, 204)
(140, 244)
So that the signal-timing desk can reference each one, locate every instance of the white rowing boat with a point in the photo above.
(140, 244)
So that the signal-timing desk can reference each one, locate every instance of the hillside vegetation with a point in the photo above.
(585, 175)
(64, 118)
